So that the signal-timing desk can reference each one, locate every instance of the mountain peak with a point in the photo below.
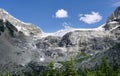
(115, 15)
(27, 28)
(118, 9)
(113, 20)
(2, 10)
(3, 13)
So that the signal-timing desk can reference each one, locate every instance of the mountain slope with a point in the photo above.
(23, 44)
(26, 28)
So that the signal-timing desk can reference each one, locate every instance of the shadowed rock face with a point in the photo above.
(112, 55)
(113, 23)
(11, 56)
(22, 47)
(115, 16)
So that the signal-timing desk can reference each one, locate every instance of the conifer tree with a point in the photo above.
(51, 70)
(71, 68)
(105, 67)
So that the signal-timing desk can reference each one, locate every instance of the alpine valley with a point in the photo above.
(25, 47)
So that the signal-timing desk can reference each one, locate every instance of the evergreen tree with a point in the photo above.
(51, 70)
(105, 67)
(70, 69)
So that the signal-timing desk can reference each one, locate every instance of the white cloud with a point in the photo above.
(92, 18)
(61, 13)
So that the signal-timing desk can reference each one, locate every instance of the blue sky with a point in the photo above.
(52, 15)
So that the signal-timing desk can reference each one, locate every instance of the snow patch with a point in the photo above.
(113, 22)
(67, 29)
(2, 11)
(42, 59)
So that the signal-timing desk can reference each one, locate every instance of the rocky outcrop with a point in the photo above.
(111, 55)
(2, 27)
(87, 41)
(114, 20)
(113, 23)
(50, 41)
(115, 16)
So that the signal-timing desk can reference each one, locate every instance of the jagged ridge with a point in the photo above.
(27, 28)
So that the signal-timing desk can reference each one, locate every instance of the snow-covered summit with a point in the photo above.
(26, 28)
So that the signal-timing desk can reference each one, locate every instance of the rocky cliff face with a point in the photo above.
(26, 28)
(24, 44)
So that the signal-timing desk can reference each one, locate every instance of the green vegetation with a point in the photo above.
(68, 69)
(81, 57)
(81, 54)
